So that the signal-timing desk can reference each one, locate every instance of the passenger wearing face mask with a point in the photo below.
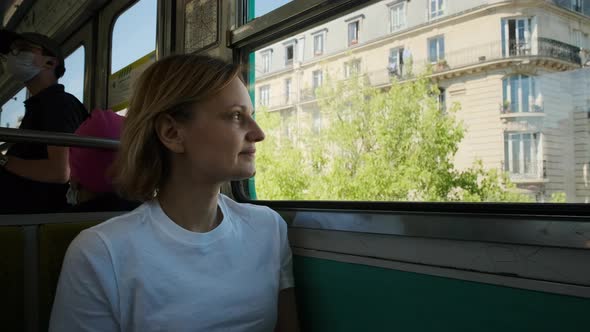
(34, 176)
(91, 184)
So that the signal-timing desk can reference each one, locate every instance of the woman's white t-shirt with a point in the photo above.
(143, 272)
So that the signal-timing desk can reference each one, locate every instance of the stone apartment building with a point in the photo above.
(516, 67)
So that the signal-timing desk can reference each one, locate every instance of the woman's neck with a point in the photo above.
(191, 206)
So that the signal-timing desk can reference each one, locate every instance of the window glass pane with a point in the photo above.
(13, 110)
(509, 124)
(351, 33)
(514, 93)
(134, 34)
(525, 94)
(73, 79)
(133, 49)
(432, 50)
(516, 158)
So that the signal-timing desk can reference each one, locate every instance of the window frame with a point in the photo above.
(318, 37)
(577, 6)
(530, 101)
(438, 10)
(266, 58)
(295, 18)
(438, 48)
(523, 45)
(264, 94)
(114, 10)
(579, 38)
(292, 44)
(350, 65)
(399, 50)
(356, 20)
(320, 81)
(536, 155)
(401, 9)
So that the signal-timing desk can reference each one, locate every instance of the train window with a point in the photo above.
(13, 110)
(132, 50)
(73, 79)
(433, 112)
(257, 8)
(134, 34)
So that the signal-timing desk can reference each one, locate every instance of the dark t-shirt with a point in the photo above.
(53, 110)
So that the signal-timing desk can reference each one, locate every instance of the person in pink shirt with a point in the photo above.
(91, 185)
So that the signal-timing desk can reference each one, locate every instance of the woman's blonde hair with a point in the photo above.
(168, 86)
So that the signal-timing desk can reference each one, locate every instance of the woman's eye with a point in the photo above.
(237, 116)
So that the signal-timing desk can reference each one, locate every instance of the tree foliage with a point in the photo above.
(393, 144)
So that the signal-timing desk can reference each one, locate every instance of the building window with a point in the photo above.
(437, 8)
(520, 95)
(516, 36)
(579, 38)
(577, 5)
(318, 44)
(436, 49)
(317, 79)
(289, 54)
(353, 33)
(397, 17)
(266, 58)
(288, 90)
(316, 121)
(352, 68)
(521, 155)
(264, 95)
(396, 61)
(442, 100)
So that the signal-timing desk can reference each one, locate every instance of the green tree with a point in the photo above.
(393, 144)
(281, 172)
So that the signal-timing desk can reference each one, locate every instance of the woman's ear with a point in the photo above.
(170, 133)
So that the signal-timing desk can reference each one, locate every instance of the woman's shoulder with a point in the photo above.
(250, 212)
(119, 228)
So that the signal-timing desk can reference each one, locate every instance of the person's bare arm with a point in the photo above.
(54, 169)
(287, 320)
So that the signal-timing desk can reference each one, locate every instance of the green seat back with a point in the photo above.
(11, 278)
(54, 240)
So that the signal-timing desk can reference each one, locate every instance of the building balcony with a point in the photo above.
(559, 50)
(547, 52)
(539, 52)
(307, 95)
(526, 171)
(571, 5)
(278, 102)
(509, 110)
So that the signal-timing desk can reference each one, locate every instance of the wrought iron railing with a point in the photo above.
(520, 169)
(509, 108)
(559, 50)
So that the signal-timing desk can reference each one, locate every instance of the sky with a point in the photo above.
(134, 35)
(262, 7)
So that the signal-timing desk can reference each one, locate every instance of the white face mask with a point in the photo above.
(21, 66)
(72, 196)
